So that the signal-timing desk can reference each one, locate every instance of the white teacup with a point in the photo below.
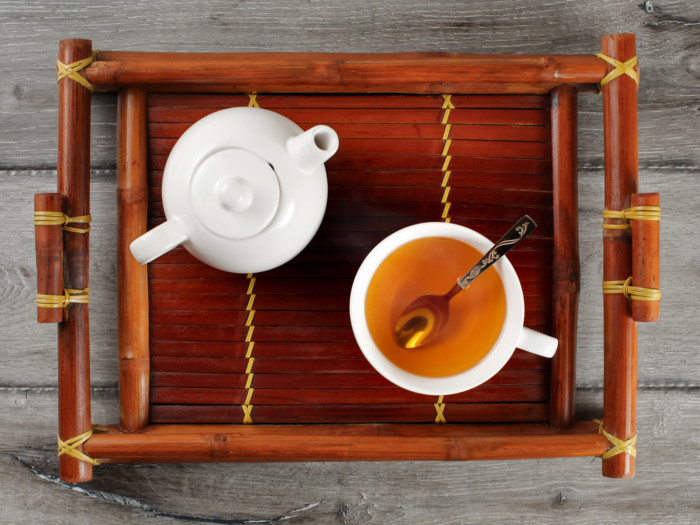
(513, 334)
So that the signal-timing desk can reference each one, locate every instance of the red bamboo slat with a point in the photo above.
(296, 365)
(73, 167)
(266, 415)
(333, 396)
(566, 272)
(301, 334)
(320, 380)
(355, 254)
(404, 146)
(49, 256)
(645, 258)
(325, 349)
(349, 131)
(501, 101)
(320, 287)
(331, 116)
(620, 330)
(470, 187)
(500, 132)
(366, 100)
(204, 302)
(132, 289)
(428, 178)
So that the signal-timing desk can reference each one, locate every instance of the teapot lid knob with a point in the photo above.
(235, 193)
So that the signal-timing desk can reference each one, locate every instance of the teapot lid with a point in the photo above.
(234, 193)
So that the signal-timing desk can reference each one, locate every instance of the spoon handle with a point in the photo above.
(517, 233)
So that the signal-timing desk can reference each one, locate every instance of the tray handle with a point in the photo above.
(645, 257)
(48, 236)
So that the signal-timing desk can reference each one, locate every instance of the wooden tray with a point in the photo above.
(223, 367)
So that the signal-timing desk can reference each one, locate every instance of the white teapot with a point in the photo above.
(244, 190)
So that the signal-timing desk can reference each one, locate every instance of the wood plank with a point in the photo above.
(662, 492)
(667, 101)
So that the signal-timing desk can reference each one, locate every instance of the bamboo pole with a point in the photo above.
(347, 73)
(566, 266)
(353, 442)
(645, 258)
(132, 287)
(49, 256)
(74, 185)
(620, 331)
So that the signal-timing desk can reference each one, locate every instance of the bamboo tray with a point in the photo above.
(223, 367)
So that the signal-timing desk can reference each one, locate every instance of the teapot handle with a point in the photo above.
(158, 241)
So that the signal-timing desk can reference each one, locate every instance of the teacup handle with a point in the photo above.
(537, 343)
(158, 241)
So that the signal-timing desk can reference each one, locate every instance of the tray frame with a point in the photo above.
(133, 75)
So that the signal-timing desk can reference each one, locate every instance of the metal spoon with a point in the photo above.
(423, 319)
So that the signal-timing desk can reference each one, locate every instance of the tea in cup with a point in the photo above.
(486, 320)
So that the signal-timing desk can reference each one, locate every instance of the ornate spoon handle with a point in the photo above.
(517, 233)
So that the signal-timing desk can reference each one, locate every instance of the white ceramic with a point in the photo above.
(244, 190)
(513, 333)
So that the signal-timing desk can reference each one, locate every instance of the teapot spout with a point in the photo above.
(313, 147)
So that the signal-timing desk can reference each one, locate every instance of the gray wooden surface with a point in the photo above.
(665, 489)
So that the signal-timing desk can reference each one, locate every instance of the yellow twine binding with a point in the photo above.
(440, 411)
(56, 218)
(61, 301)
(448, 106)
(247, 406)
(633, 293)
(621, 68)
(619, 446)
(72, 71)
(70, 446)
(637, 213)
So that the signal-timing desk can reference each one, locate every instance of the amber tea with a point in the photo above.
(432, 265)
